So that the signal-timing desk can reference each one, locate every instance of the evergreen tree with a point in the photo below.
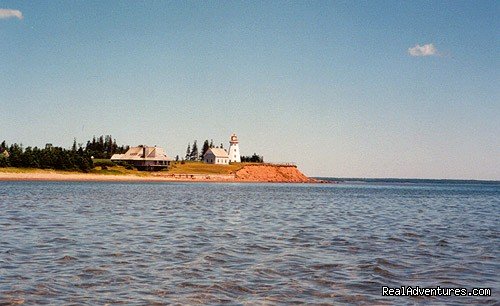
(205, 148)
(114, 147)
(104, 147)
(15, 155)
(194, 152)
(253, 159)
(83, 161)
(28, 159)
(188, 152)
(100, 146)
(4, 161)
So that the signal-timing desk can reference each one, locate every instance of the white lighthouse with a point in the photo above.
(234, 150)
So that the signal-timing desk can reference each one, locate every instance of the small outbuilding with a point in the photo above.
(144, 158)
(216, 156)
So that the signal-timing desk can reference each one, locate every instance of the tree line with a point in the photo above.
(103, 147)
(76, 158)
(193, 154)
(252, 159)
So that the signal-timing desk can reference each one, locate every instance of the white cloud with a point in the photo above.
(425, 50)
(6, 13)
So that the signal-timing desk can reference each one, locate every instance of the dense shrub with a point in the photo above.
(253, 159)
(4, 161)
(103, 162)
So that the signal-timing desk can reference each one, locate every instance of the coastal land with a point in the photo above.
(179, 172)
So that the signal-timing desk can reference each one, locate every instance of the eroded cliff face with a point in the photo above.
(272, 173)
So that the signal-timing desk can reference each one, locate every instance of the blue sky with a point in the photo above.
(343, 88)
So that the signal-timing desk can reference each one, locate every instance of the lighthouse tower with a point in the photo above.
(234, 150)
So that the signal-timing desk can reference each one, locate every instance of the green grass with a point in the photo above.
(118, 170)
(35, 170)
(188, 167)
(23, 170)
(192, 167)
(103, 162)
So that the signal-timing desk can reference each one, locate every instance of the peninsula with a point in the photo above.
(179, 172)
(103, 160)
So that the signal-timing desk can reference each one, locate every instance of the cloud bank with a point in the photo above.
(425, 50)
(7, 13)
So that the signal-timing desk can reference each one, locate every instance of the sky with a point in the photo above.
(399, 89)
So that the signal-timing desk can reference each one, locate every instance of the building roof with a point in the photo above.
(142, 153)
(220, 153)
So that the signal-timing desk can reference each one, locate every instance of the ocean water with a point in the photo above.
(245, 244)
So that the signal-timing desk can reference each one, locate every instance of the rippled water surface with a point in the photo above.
(147, 243)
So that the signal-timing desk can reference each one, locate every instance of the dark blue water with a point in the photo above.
(156, 243)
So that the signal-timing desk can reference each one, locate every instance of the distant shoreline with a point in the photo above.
(406, 180)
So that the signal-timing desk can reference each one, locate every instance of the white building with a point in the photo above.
(234, 150)
(144, 158)
(216, 156)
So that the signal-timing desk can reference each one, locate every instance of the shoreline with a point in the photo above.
(59, 176)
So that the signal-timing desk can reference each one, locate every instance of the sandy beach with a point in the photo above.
(71, 176)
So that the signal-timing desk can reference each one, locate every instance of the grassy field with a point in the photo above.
(118, 170)
(103, 162)
(29, 170)
(190, 167)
